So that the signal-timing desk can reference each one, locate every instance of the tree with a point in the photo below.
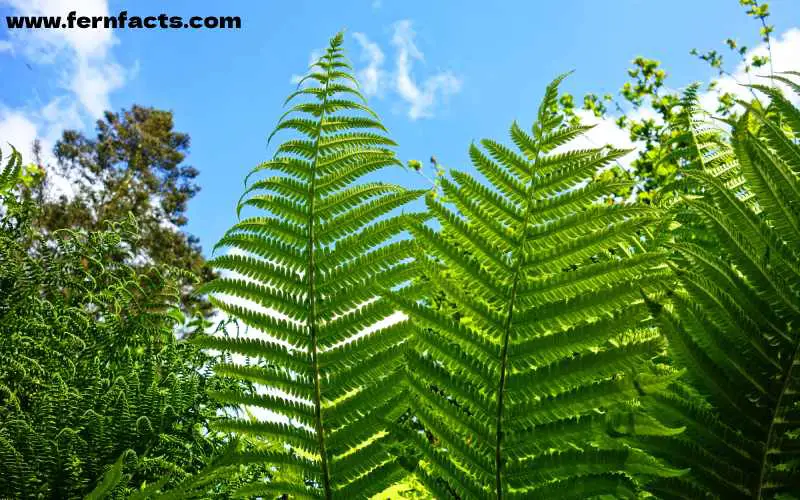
(134, 165)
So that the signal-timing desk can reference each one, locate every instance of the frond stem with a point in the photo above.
(787, 377)
(312, 303)
(498, 458)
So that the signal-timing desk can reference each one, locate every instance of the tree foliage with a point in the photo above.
(134, 165)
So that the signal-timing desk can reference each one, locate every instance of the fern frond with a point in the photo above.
(733, 324)
(9, 173)
(307, 273)
(545, 278)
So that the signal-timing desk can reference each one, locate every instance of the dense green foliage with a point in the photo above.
(557, 341)
(735, 321)
(545, 375)
(524, 393)
(91, 368)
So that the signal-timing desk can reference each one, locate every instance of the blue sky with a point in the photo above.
(451, 72)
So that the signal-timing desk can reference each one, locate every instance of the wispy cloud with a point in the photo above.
(419, 98)
(372, 76)
(93, 84)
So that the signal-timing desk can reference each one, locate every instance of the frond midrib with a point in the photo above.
(519, 260)
(785, 384)
(312, 303)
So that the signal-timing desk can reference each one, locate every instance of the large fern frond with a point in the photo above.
(307, 271)
(735, 322)
(518, 394)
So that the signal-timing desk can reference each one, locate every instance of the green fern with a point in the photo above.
(735, 324)
(311, 268)
(111, 479)
(9, 175)
(522, 396)
(91, 368)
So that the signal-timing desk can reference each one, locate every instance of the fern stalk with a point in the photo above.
(501, 388)
(312, 295)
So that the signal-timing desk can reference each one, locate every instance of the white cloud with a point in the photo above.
(59, 114)
(21, 128)
(93, 83)
(312, 58)
(420, 98)
(84, 64)
(785, 50)
(372, 76)
(16, 129)
(44, 44)
(90, 71)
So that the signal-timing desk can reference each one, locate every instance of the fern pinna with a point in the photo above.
(735, 323)
(521, 396)
(310, 270)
